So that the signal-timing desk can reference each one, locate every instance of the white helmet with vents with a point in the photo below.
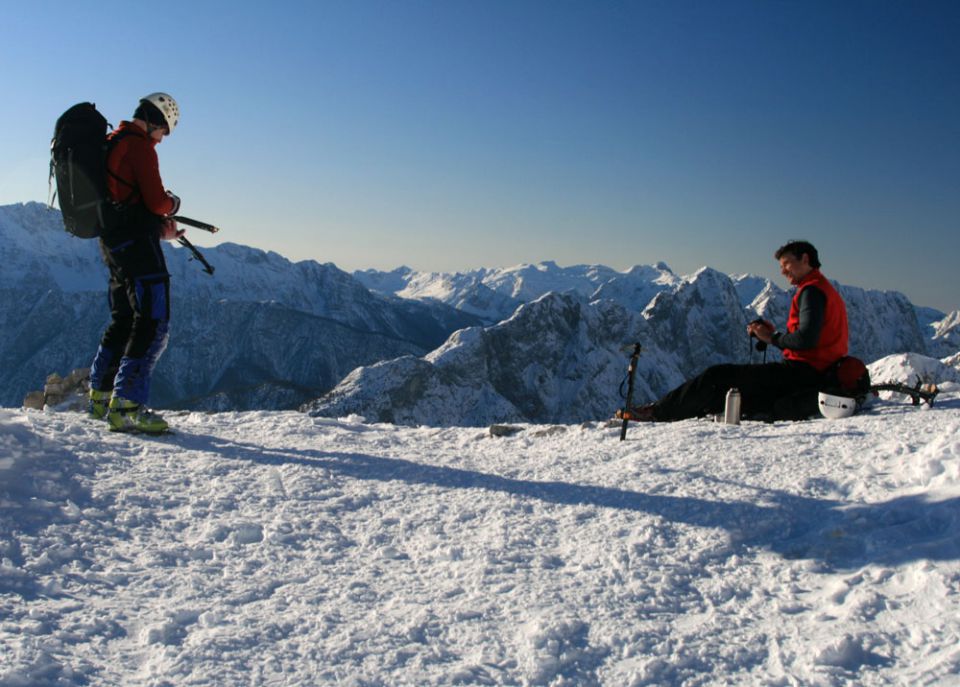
(836, 407)
(167, 106)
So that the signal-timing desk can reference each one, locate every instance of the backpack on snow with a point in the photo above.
(78, 162)
(848, 377)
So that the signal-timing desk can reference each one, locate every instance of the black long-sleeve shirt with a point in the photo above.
(812, 309)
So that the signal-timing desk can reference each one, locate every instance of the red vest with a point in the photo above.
(834, 337)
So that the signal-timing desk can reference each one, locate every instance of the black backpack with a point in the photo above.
(78, 162)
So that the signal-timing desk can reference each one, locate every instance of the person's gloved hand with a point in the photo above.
(176, 203)
(169, 230)
(761, 329)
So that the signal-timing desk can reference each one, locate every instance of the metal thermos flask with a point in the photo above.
(731, 411)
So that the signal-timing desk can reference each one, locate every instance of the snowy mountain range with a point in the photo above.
(494, 294)
(561, 357)
(263, 332)
(537, 343)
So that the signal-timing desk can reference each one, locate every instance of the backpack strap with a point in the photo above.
(116, 138)
(51, 189)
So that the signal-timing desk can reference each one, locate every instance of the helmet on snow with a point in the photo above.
(167, 105)
(835, 407)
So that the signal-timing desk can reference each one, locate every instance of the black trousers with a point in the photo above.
(772, 391)
(139, 295)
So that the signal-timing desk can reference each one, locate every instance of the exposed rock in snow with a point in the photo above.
(701, 322)
(946, 335)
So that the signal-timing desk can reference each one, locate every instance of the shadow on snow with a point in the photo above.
(833, 533)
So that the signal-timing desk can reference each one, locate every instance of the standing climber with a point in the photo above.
(139, 288)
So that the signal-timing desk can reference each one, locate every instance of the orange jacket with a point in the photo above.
(134, 170)
(834, 337)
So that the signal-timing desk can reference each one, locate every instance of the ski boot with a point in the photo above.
(128, 416)
(97, 404)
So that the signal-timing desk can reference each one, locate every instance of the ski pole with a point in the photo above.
(631, 373)
(197, 224)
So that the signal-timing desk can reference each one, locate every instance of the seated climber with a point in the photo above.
(815, 340)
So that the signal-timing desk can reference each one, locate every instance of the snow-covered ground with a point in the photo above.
(273, 548)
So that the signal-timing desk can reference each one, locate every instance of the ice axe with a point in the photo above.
(631, 374)
(197, 224)
(921, 392)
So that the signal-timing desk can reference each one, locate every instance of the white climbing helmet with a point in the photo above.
(836, 407)
(167, 105)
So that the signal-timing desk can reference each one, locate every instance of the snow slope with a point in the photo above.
(272, 548)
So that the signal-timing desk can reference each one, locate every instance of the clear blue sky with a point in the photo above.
(450, 135)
